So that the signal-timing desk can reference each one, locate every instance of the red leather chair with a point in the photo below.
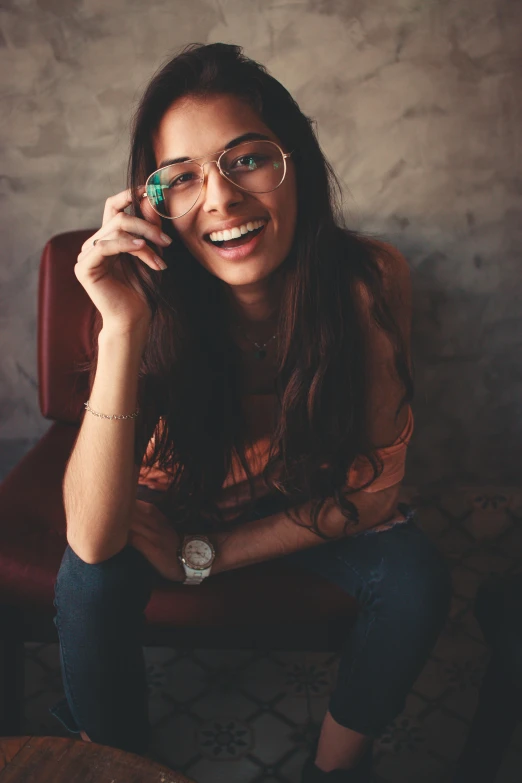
(265, 606)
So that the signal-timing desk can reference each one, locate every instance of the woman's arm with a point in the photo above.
(99, 488)
(277, 535)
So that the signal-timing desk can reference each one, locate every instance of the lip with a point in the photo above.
(234, 224)
(242, 251)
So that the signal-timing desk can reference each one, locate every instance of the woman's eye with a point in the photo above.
(251, 162)
(181, 179)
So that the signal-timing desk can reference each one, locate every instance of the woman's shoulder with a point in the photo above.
(390, 260)
(384, 306)
(394, 273)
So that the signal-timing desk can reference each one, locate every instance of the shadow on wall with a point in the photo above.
(468, 401)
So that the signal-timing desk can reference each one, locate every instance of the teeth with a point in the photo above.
(236, 232)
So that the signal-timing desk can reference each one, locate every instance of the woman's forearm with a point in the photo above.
(277, 535)
(100, 480)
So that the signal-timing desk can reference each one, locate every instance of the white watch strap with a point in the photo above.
(194, 577)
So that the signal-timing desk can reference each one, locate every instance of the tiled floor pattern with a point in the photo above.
(241, 717)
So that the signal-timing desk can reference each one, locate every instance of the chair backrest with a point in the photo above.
(65, 316)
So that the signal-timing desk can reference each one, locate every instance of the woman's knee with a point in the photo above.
(409, 582)
(422, 597)
(424, 574)
(107, 582)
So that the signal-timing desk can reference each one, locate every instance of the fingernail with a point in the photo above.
(160, 262)
(166, 239)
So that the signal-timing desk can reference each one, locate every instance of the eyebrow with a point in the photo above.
(252, 136)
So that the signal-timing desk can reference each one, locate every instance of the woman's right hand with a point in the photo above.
(123, 305)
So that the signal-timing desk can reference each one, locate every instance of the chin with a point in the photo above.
(240, 273)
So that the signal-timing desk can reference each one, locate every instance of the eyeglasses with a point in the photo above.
(253, 166)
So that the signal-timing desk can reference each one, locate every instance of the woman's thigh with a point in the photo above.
(397, 573)
(402, 588)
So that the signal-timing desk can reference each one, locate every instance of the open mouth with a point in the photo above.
(244, 239)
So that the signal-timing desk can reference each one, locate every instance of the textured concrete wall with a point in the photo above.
(418, 108)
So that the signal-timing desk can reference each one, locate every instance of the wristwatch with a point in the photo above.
(196, 555)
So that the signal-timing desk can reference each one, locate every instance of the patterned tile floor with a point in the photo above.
(234, 716)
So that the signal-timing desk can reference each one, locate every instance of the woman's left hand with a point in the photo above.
(153, 535)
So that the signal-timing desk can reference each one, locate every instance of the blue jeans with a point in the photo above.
(400, 582)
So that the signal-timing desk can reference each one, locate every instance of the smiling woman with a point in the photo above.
(232, 172)
(270, 367)
(222, 148)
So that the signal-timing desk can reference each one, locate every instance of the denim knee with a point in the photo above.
(100, 620)
(432, 588)
(416, 582)
(108, 584)
(414, 596)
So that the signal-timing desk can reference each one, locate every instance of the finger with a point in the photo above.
(129, 224)
(154, 557)
(121, 243)
(149, 522)
(115, 204)
(145, 513)
(153, 235)
(152, 512)
(133, 536)
(140, 543)
(137, 526)
(124, 244)
(150, 535)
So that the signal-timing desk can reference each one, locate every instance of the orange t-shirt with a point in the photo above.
(260, 418)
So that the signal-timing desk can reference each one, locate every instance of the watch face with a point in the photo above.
(197, 553)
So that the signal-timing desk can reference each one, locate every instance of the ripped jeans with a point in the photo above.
(400, 582)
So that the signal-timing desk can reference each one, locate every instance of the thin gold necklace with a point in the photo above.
(260, 351)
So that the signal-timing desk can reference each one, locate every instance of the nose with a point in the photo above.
(219, 195)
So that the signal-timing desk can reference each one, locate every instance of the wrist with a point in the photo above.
(137, 332)
(178, 572)
(196, 556)
(217, 540)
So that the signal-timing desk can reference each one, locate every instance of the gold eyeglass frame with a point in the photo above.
(217, 161)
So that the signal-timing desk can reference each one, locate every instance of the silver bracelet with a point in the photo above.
(104, 415)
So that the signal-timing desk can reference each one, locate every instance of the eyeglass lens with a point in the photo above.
(255, 166)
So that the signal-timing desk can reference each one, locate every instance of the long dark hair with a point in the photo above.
(190, 368)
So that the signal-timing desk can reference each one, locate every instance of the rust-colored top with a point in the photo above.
(385, 391)
(260, 412)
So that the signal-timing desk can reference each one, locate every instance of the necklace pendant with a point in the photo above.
(260, 353)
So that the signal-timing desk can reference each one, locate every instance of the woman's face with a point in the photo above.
(193, 128)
